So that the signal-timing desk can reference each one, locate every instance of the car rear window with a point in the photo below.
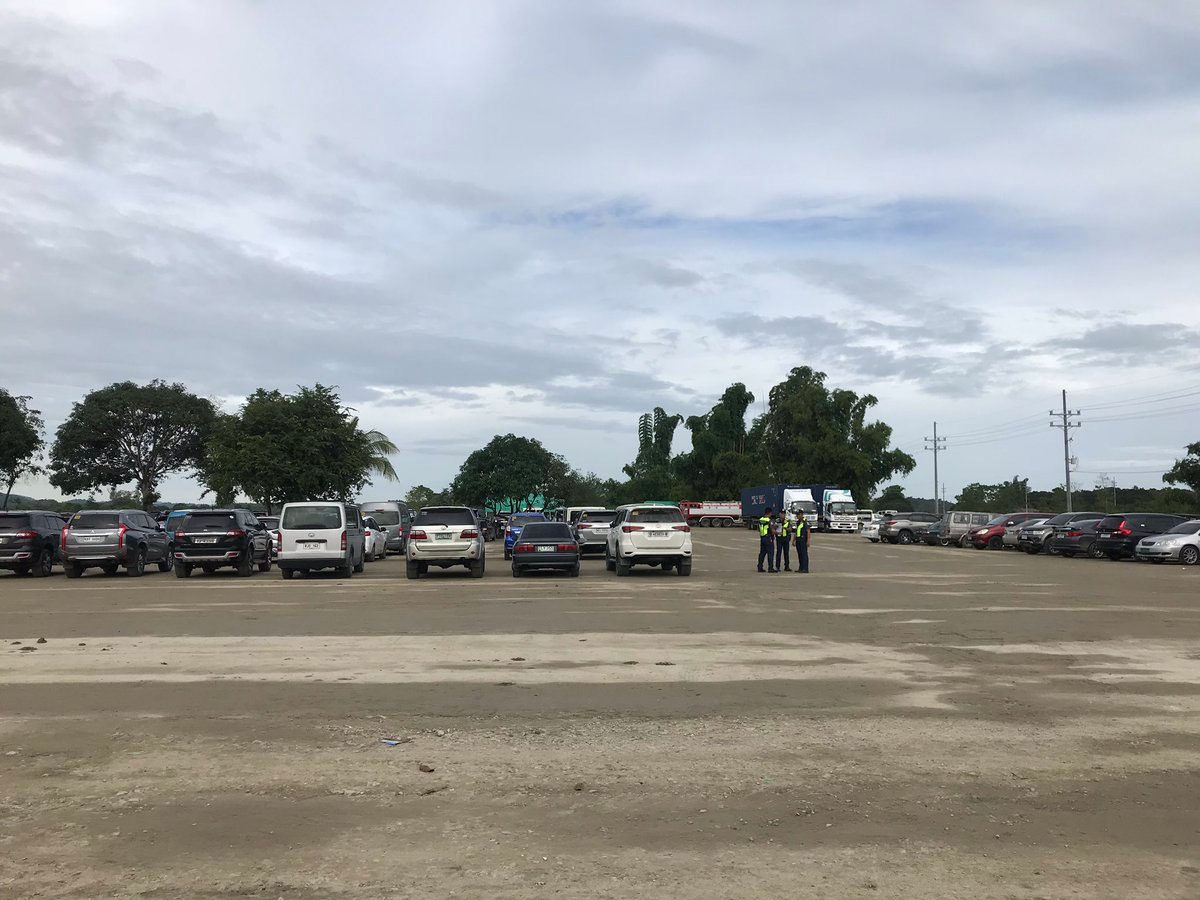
(656, 514)
(444, 516)
(95, 520)
(207, 522)
(527, 517)
(312, 517)
(1110, 523)
(13, 522)
(543, 531)
(598, 515)
(268, 521)
(1061, 519)
(384, 516)
(1192, 527)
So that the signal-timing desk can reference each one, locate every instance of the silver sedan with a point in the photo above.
(1181, 543)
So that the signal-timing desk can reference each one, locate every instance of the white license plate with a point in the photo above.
(442, 537)
(211, 540)
(544, 549)
(658, 535)
(311, 545)
(90, 539)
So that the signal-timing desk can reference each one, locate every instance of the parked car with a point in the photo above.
(110, 538)
(319, 534)
(30, 540)
(1180, 543)
(958, 526)
(173, 518)
(445, 536)
(546, 545)
(214, 539)
(375, 538)
(870, 530)
(396, 518)
(991, 535)
(649, 534)
(932, 534)
(903, 528)
(1037, 537)
(1117, 536)
(1079, 539)
(512, 530)
(591, 530)
(1012, 536)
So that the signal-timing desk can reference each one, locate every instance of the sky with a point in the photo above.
(547, 218)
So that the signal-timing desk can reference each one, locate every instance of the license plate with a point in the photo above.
(442, 537)
(3, 540)
(211, 540)
(658, 534)
(89, 539)
(546, 549)
(311, 545)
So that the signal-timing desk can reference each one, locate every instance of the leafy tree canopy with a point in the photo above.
(1187, 470)
(127, 433)
(21, 440)
(508, 468)
(893, 497)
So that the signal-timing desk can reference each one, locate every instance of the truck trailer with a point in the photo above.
(712, 513)
(794, 498)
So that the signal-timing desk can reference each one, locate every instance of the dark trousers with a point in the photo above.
(766, 547)
(783, 550)
(802, 553)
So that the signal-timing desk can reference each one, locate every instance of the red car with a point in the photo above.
(991, 535)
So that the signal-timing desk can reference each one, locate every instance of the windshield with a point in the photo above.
(656, 514)
(839, 509)
(998, 520)
(806, 506)
(444, 516)
(384, 516)
(312, 517)
(95, 520)
(13, 521)
(1192, 527)
(208, 522)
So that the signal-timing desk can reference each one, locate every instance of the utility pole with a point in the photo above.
(938, 444)
(1066, 425)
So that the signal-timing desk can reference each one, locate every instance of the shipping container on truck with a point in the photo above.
(780, 497)
(712, 513)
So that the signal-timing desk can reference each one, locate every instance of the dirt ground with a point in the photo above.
(902, 722)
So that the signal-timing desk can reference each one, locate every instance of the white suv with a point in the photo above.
(645, 534)
(319, 534)
(445, 536)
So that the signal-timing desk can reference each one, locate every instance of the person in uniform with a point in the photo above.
(783, 551)
(766, 541)
(803, 530)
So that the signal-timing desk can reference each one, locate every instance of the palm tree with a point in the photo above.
(381, 448)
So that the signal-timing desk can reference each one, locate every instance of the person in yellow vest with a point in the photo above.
(803, 530)
(766, 541)
(783, 543)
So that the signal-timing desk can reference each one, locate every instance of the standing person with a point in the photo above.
(766, 541)
(783, 543)
(803, 530)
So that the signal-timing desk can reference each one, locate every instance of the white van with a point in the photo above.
(320, 534)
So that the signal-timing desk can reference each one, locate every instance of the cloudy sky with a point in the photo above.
(548, 217)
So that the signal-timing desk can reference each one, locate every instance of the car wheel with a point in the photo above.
(477, 568)
(360, 565)
(265, 565)
(964, 541)
(574, 572)
(287, 574)
(412, 570)
(109, 568)
(167, 563)
(1095, 552)
(182, 570)
(1189, 556)
(995, 542)
(44, 564)
(508, 554)
(72, 570)
(516, 571)
(137, 568)
(346, 570)
(683, 568)
(623, 567)
(904, 537)
(245, 565)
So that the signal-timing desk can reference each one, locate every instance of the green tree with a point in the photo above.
(509, 468)
(720, 463)
(420, 496)
(811, 434)
(893, 497)
(289, 447)
(1010, 496)
(975, 497)
(650, 475)
(21, 440)
(381, 448)
(130, 433)
(1187, 470)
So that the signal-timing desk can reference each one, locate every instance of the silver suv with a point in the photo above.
(445, 536)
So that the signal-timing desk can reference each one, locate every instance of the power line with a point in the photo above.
(1177, 394)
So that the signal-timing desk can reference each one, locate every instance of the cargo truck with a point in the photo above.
(795, 498)
(838, 511)
(712, 513)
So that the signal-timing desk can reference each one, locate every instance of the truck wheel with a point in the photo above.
(725, 523)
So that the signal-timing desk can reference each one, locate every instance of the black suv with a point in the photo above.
(1117, 536)
(214, 538)
(29, 541)
(110, 538)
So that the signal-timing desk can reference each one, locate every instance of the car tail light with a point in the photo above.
(26, 535)
(343, 539)
(683, 528)
(629, 529)
(508, 529)
(523, 548)
(583, 525)
(1074, 534)
(418, 534)
(121, 536)
(889, 522)
(64, 537)
(469, 534)
(278, 535)
(568, 548)
(240, 533)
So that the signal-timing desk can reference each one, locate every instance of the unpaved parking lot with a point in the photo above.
(910, 722)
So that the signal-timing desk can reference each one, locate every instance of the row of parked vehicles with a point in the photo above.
(321, 535)
(1154, 537)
